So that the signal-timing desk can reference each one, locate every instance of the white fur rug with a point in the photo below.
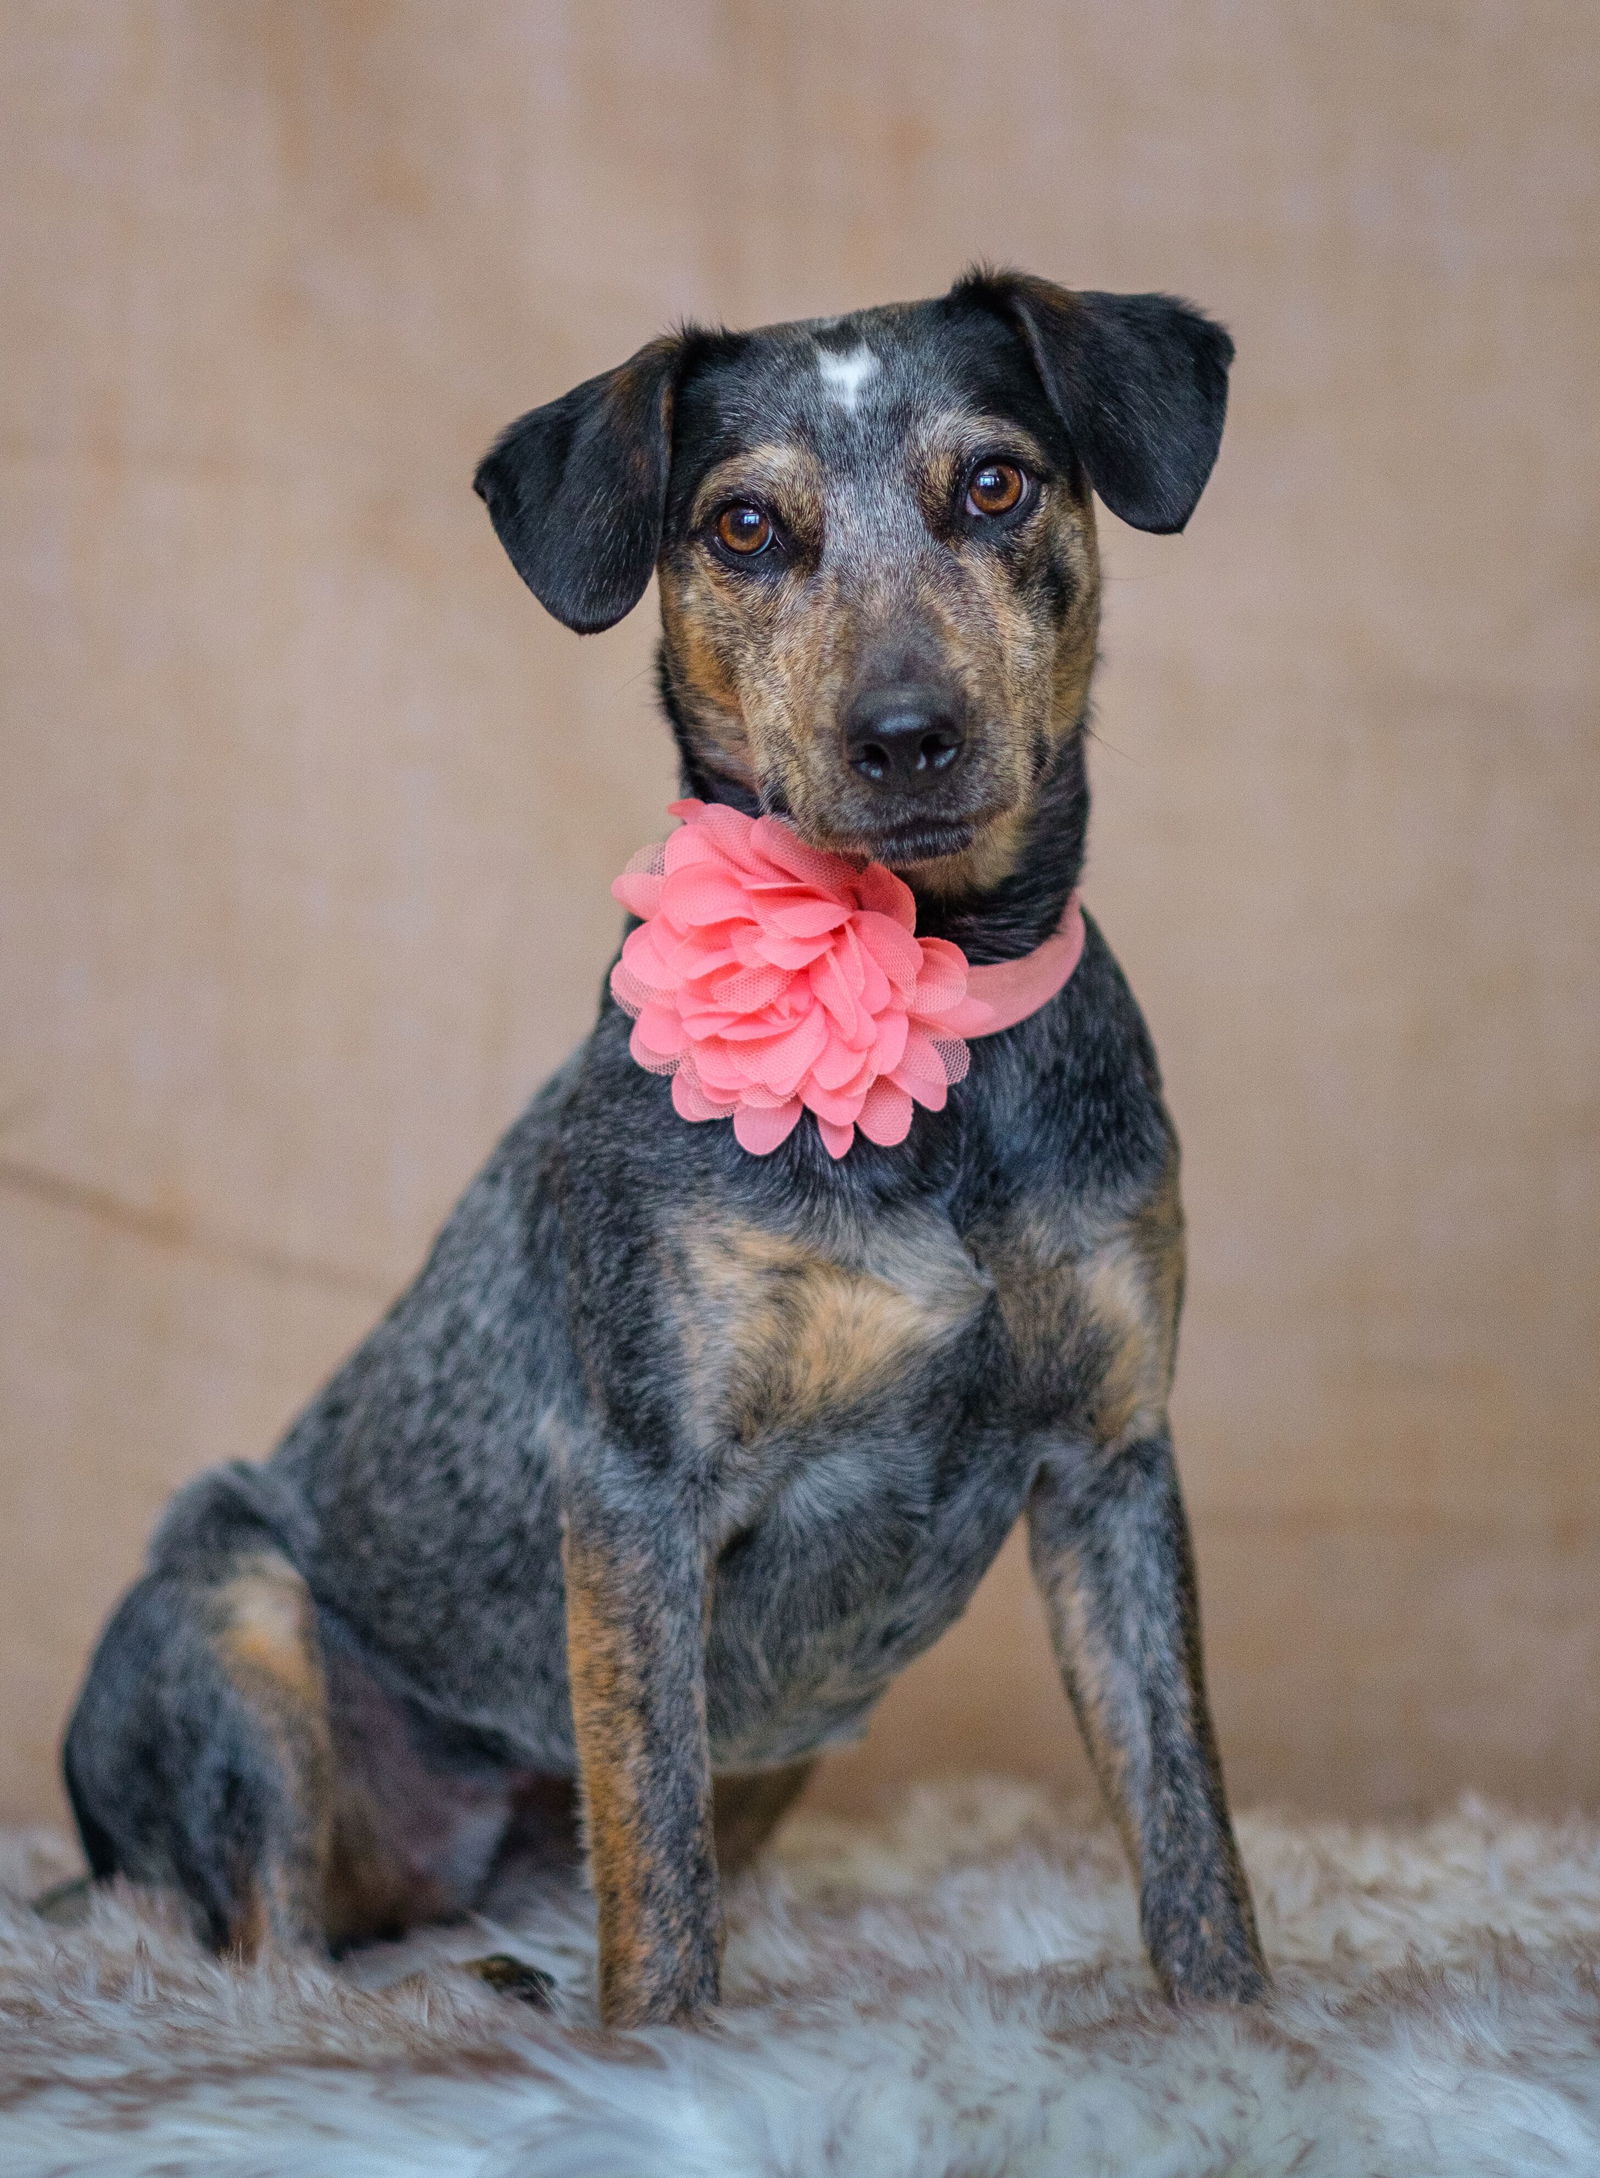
(956, 1993)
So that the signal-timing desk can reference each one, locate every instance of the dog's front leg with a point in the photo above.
(636, 1596)
(1111, 1553)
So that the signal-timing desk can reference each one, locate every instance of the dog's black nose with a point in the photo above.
(908, 738)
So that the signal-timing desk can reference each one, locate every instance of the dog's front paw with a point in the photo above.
(1229, 1977)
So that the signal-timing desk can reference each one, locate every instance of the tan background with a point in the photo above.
(309, 814)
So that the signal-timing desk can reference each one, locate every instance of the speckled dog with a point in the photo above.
(674, 1455)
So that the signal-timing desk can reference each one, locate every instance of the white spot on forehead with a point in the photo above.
(843, 376)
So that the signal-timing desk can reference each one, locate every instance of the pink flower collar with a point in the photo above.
(769, 979)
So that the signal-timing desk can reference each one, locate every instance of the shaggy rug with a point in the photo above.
(956, 1992)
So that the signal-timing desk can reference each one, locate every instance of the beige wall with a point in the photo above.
(309, 814)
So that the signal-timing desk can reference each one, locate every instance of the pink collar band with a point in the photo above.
(770, 979)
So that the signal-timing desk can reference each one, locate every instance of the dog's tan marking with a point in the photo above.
(702, 679)
(788, 1334)
(785, 476)
(266, 1641)
(607, 1711)
(268, 1629)
(1106, 1297)
(1133, 1287)
(700, 671)
(719, 627)
(650, 1965)
(1078, 549)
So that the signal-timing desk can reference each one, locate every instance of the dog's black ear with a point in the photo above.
(576, 489)
(1140, 383)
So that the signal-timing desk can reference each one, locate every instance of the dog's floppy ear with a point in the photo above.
(576, 489)
(1140, 383)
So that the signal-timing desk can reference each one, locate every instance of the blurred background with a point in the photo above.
(308, 813)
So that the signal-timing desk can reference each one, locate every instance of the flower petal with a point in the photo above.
(835, 1064)
(724, 1078)
(659, 1031)
(747, 990)
(760, 1132)
(890, 1045)
(641, 956)
(886, 1114)
(785, 1064)
(830, 987)
(701, 895)
(638, 891)
(801, 915)
(814, 866)
(942, 981)
(629, 993)
(835, 1139)
(692, 846)
(896, 952)
(933, 1095)
(838, 1105)
(690, 1101)
(715, 824)
(953, 1056)
(783, 952)
(882, 893)
(922, 1072)
(878, 994)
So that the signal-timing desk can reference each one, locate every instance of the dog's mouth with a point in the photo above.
(926, 839)
(910, 839)
(903, 838)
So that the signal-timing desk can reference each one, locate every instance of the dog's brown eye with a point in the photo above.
(745, 530)
(995, 488)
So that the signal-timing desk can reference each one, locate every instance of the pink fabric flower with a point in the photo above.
(770, 979)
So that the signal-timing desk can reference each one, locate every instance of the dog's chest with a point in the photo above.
(788, 1336)
(793, 1340)
(855, 1396)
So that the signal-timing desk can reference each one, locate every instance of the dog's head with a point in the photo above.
(875, 536)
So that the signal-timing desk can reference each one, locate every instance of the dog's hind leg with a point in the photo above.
(748, 1806)
(235, 1745)
(199, 1755)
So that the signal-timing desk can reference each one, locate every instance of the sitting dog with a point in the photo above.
(692, 1433)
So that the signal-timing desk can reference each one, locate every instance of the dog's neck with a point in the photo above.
(1006, 919)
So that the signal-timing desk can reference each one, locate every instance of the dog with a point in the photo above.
(675, 1454)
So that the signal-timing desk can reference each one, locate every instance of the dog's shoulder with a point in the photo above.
(1075, 1212)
